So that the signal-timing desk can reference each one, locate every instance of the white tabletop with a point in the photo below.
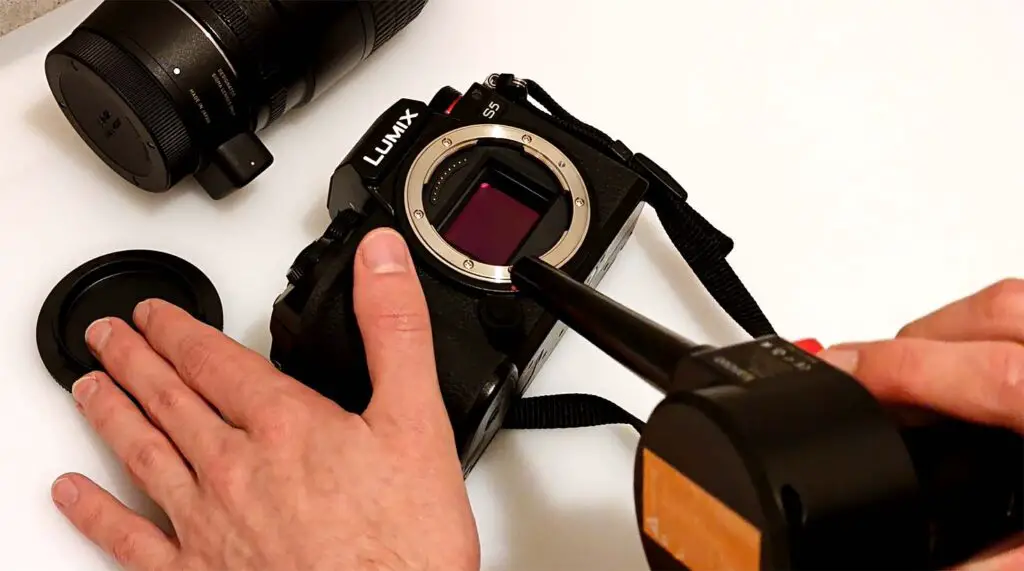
(865, 156)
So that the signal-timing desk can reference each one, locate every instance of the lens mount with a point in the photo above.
(457, 140)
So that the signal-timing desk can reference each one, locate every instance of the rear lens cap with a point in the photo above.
(111, 286)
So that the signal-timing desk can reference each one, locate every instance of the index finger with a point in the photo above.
(980, 381)
(995, 313)
(233, 379)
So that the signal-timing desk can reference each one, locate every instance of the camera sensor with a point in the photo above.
(492, 224)
(481, 197)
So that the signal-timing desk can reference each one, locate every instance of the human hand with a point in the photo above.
(258, 472)
(965, 360)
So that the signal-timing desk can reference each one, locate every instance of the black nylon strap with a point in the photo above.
(567, 411)
(702, 245)
(704, 248)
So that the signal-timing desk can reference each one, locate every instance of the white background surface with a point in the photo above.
(865, 156)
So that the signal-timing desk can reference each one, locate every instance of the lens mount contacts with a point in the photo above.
(504, 209)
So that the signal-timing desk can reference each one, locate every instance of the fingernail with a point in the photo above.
(64, 492)
(843, 359)
(141, 313)
(98, 333)
(83, 389)
(384, 252)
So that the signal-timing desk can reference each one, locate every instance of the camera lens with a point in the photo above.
(480, 197)
(164, 89)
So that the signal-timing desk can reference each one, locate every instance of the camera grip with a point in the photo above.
(329, 355)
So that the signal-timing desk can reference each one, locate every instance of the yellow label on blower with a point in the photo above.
(698, 530)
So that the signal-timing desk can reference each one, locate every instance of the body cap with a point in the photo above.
(111, 286)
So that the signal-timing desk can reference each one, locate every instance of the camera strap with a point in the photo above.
(702, 246)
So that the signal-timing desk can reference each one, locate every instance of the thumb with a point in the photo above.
(393, 319)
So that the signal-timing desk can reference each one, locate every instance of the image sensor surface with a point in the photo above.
(492, 225)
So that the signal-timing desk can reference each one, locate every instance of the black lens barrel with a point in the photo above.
(163, 89)
(254, 35)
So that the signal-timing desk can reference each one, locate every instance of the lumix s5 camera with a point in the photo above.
(473, 182)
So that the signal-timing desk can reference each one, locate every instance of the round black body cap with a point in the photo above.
(111, 286)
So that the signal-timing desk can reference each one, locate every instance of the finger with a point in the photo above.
(392, 315)
(132, 540)
(1012, 560)
(235, 380)
(151, 460)
(980, 381)
(995, 313)
(174, 407)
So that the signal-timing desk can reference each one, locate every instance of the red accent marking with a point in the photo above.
(452, 106)
(810, 345)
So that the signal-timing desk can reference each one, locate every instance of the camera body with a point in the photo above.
(473, 182)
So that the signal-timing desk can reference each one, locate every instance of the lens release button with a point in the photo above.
(234, 164)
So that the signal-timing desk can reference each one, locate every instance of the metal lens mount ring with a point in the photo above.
(464, 137)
